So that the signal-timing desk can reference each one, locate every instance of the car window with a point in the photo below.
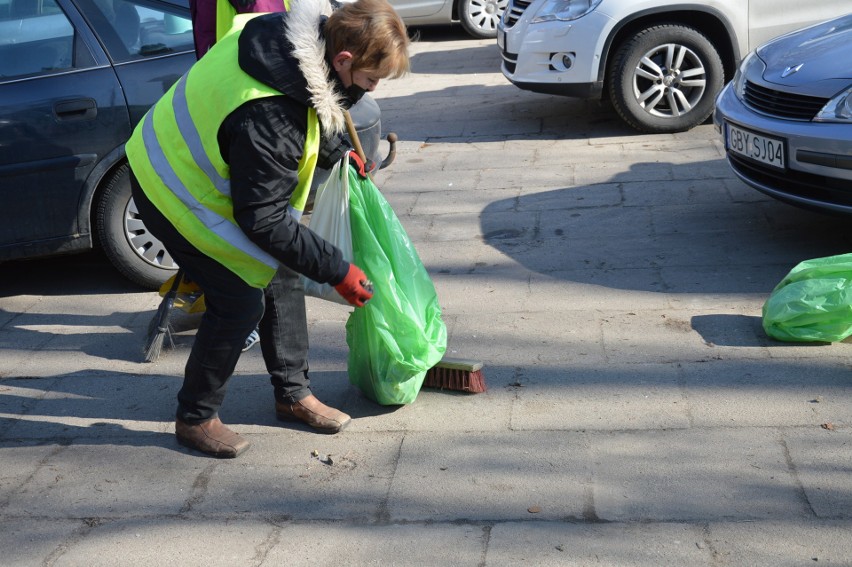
(36, 38)
(136, 29)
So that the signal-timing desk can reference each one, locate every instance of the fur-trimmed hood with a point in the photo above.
(287, 52)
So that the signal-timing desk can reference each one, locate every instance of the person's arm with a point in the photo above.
(263, 146)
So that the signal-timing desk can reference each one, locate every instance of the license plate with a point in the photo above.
(501, 39)
(765, 149)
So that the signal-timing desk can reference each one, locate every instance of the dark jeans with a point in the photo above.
(233, 309)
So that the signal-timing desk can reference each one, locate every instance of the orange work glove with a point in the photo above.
(363, 169)
(355, 287)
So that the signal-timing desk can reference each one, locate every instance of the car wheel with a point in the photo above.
(665, 79)
(479, 18)
(134, 251)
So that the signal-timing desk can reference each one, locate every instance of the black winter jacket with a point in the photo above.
(263, 140)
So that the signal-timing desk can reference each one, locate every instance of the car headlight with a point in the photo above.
(564, 10)
(751, 66)
(838, 109)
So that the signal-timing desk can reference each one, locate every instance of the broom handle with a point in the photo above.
(353, 135)
(173, 288)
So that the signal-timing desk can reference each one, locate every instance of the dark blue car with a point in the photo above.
(75, 78)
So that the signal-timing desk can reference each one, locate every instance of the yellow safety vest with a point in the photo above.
(174, 153)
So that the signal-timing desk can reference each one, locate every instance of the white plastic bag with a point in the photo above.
(330, 220)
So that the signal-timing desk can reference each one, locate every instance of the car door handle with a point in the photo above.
(80, 109)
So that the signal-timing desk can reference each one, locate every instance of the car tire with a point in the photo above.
(479, 18)
(665, 79)
(128, 245)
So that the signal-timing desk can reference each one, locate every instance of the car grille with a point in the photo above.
(515, 11)
(795, 183)
(781, 104)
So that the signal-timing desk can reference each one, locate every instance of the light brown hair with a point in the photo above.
(373, 32)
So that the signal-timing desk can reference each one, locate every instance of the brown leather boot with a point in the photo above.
(211, 437)
(313, 412)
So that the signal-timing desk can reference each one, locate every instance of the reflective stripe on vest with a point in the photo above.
(174, 154)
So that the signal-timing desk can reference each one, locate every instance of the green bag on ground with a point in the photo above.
(399, 334)
(813, 303)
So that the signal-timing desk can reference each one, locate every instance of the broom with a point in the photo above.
(456, 374)
(159, 328)
(451, 373)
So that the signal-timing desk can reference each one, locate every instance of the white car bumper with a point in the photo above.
(555, 57)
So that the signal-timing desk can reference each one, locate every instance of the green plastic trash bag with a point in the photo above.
(813, 303)
(399, 334)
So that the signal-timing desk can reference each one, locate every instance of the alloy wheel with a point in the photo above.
(669, 80)
(146, 245)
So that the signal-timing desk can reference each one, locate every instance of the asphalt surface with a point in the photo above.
(611, 282)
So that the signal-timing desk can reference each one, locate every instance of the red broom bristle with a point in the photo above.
(462, 380)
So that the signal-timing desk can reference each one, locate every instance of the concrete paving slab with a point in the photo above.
(446, 263)
(97, 405)
(761, 393)
(490, 156)
(578, 153)
(527, 176)
(171, 541)
(559, 544)
(109, 478)
(474, 476)
(33, 541)
(695, 221)
(614, 398)
(600, 222)
(696, 191)
(570, 198)
(718, 169)
(664, 336)
(445, 411)
(330, 545)
(19, 396)
(478, 292)
(20, 462)
(476, 226)
(464, 200)
(426, 178)
(741, 286)
(531, 340)
(593, 173)
(678, 475)
(813, 351)
(781, 543)
(280, 476)
(823, 461)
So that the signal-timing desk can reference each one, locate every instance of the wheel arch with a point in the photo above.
(704, 19)
(94, 187)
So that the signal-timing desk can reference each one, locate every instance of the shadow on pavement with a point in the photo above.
(88, 273)
(697, 235)
(478, 59)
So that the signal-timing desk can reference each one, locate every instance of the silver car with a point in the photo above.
(786, 118)
(479, 18)
(660, 62)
